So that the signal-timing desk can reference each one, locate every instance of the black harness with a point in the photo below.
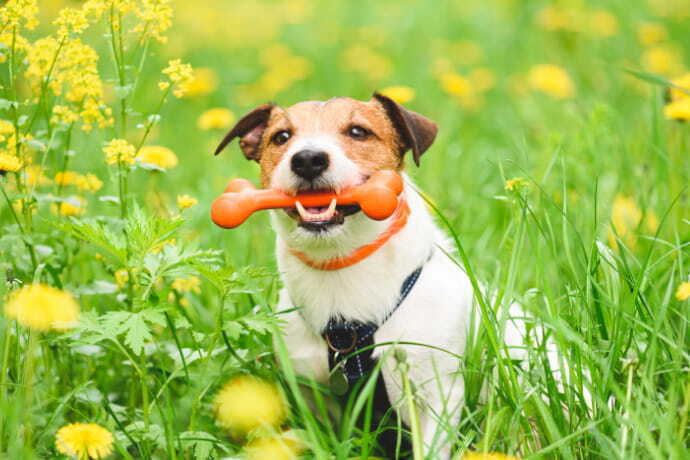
(345, 339)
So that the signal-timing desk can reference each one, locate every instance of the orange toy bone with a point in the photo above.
(378, 198)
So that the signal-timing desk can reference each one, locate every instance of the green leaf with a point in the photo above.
(137, 333)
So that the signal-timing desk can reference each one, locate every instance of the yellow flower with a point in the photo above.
(683, 292)
(84, 440)
(204, 81)
(15, 12)
(180, 76)
(121, 277)
(6, 127)
(676, 110)
(681, 82)
(626, 217)
(650, 33)
(190, 284)
(119, 151)
(157, 155)
(552, 80)
(400, 94)
(35, 176)
(516, 184)
(362, 58)
(156, 18)
(72, 206)
(66, 178)
(603, 23)
(43, 308)
(71, 21)
(216, 118)
(455, 84)
(662, 59)
(487, 456)
(186, 201)
(89, 183)
(482, 78)
(9, 163)
(246, 403)
(554, 17)
(285, 446)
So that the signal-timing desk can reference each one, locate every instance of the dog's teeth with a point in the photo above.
(302, 212)
(316, 217)
(331, 208)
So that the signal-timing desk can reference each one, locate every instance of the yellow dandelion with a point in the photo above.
(681, 82)
(203, 82)
(400, 94)
(89, 183)
(552, 80)
(651, 33)
(455, 84)
(487, 456)
(625, 218)
(285, 446)
(157, 156)
(482, 78)
(35, 176)
(66, 178)
(70, 207)
(42, 307)
(662, 59)
(119, 151)
(216, 118)
(186, 201)
(676, 110)
(84, 441)
(9, 163)
(603, 23)
(190, 284)
(515, 184)
(246, 403)
(683, 291)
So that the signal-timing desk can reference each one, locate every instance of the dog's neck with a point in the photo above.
(367, 290)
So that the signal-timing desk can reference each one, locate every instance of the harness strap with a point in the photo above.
(345, 337)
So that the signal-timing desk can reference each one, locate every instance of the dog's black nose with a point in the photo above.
(309, 164)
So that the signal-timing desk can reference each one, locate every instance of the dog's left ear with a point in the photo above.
(416, 132)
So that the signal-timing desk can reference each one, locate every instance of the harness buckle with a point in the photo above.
(342, 351)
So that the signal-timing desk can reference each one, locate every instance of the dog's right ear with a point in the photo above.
(249, 129)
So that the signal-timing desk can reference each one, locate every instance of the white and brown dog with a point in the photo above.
(333, 145)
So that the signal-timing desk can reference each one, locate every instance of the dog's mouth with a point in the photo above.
(321, 218)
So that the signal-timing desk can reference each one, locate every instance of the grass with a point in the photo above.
(592, 241)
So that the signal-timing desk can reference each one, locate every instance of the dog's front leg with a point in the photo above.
(438, 392)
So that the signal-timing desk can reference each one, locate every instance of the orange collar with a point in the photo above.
(399, 220)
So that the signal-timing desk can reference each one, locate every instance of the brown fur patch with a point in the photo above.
(381, 150)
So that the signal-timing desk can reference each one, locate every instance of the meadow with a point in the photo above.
(561, 172)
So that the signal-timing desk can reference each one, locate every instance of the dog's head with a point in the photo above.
(329, 146)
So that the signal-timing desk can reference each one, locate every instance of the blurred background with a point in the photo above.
(532, 90)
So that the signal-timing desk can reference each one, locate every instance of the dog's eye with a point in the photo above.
(357, 132)
(281, 137)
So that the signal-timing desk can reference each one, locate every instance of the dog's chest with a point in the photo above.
(364, 293)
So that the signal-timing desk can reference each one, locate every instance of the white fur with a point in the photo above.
(436, 312)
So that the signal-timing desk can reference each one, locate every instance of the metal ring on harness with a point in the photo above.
(342, 350)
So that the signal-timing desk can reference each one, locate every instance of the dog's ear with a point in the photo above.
(249, 129)
(416, 132)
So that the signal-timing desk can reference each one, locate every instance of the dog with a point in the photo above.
(405, 290)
